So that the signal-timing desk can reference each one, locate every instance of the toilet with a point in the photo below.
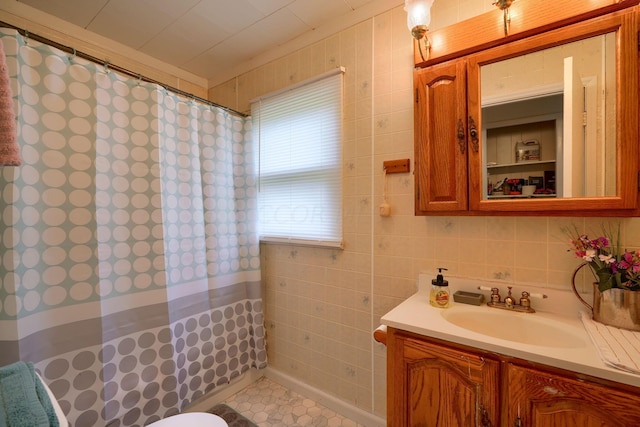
(190, 419)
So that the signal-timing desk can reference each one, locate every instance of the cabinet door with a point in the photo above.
(440, 138)
(431, 385)
(542, 399)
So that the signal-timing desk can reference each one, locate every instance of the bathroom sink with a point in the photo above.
(518, 327)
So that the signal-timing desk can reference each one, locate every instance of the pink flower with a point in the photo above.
(614, 267)
(626, 261)
(602, 242)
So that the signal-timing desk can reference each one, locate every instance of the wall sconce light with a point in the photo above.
(418, 20)
(504, 5)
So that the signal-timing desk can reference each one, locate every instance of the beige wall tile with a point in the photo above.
(322, 304)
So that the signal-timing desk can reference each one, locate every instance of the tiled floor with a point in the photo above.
(269, 404)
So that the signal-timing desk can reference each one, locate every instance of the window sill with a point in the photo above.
(329, 244)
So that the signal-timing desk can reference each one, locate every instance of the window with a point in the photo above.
(298, 132)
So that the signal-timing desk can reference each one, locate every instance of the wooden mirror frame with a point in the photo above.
(625, 25)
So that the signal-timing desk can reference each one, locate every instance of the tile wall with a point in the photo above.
(322, 304)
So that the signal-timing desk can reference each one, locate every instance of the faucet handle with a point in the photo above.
(525, 302)
(538, 295)
(495, 295)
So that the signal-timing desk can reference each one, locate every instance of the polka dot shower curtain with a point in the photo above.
(129, 267)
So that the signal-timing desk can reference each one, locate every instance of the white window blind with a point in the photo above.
(299, 138)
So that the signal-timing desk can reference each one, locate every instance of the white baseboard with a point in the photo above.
(222, 393)
(341, 407)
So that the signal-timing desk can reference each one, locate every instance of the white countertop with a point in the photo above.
(575, 354)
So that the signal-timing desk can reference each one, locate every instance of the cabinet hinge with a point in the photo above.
(638, 181)
(416, 95)
(584, 118)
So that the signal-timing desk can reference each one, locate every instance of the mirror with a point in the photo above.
(549, 122)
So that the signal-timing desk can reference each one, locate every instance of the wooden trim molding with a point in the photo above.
(528, 17)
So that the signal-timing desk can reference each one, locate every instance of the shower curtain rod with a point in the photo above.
(41, 39)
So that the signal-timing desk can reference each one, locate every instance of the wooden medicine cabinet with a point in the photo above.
(553, 107)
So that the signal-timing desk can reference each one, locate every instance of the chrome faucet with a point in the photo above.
(509, 303)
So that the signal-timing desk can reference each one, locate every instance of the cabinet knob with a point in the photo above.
(473, 132)
(485, 421)
(461, 141)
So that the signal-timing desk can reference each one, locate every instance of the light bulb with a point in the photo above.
(418, 14)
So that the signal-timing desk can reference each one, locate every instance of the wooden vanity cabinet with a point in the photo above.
(541, 399)
(434, 383)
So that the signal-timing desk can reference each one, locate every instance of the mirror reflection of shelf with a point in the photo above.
(532, 162)
(508, 126)
(521, 196)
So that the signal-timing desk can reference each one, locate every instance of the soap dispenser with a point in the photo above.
(440, 295)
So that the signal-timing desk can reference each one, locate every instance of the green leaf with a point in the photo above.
(605, 279)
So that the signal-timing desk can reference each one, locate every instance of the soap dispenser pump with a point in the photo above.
(440, 295)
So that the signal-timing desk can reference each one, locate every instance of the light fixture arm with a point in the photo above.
(427, 48)
(504, 5)
(419, 32)
(507, 20)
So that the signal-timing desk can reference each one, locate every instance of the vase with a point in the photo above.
(613, 307)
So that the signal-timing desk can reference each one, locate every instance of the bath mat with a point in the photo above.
(230, 415)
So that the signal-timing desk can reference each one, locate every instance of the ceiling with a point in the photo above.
(214, 39)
